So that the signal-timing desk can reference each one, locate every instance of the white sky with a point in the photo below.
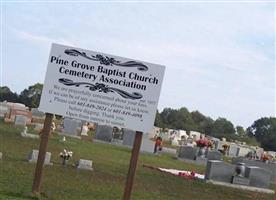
(219, 57)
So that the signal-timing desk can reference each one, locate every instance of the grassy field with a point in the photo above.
(107, 181)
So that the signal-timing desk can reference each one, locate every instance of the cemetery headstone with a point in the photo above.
(85, 164)
(258, 177)
(18, 112)
(128, 137)
(219, 171)
(218, 145)
(70, 126)
(268, 166)
(34, 155)
(233, 150)
(188, 152)
(169, 151)
(104, 132)
(20, 120)
(175, 142)
(214, 155)
(4, 109)
(243, 151)
(259, 152)
(147, 145)
(1, 155)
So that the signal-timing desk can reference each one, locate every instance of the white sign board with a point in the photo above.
(101, 88)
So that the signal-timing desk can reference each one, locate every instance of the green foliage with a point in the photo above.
(194, 121)
(264, 130)
(31, 96)
(223, 128)
(250, 141)
(7, 95)
(158, 121)
(240, 131)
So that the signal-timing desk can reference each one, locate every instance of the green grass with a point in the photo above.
(107, 181)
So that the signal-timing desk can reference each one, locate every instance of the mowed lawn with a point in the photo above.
(107, 181)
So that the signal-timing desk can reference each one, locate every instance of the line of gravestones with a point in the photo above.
(256, 173)
(253, 173)
(33, 155)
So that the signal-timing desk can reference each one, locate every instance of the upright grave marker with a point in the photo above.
(105, 89)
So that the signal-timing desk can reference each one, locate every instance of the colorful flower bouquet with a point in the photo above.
(202, 143)
(65, 155)
(265, 157)
(187, 175)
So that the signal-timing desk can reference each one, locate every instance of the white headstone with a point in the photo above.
(85, 164)
(20, 120)
(34, 155)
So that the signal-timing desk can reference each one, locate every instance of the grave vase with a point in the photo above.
(64, 161)
(201, 152)
(240, 169)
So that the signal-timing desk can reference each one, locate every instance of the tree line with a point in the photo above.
(262, 131)
(30, 96)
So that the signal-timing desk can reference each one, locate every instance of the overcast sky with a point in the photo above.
(219, 57)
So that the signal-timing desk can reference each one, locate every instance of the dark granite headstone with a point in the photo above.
(268, 166)
(188, 152)
(214, 155)
(128, 137)
(104, 133)
(219, 171)
(258, 177)
(71, 126)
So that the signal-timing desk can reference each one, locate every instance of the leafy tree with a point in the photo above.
(264, 130)
(31, 96)
(158, 120)
(207, 125)
(7, 95)
(223, 128)
(240, 131)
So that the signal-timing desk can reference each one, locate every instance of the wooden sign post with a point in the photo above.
(133, 164)
(41, 155)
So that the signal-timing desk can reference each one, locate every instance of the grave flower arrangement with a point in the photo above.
(265, 157)
(65, 155)
(201, 143)
(187, 175)
(225, 148)
(210, 144)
